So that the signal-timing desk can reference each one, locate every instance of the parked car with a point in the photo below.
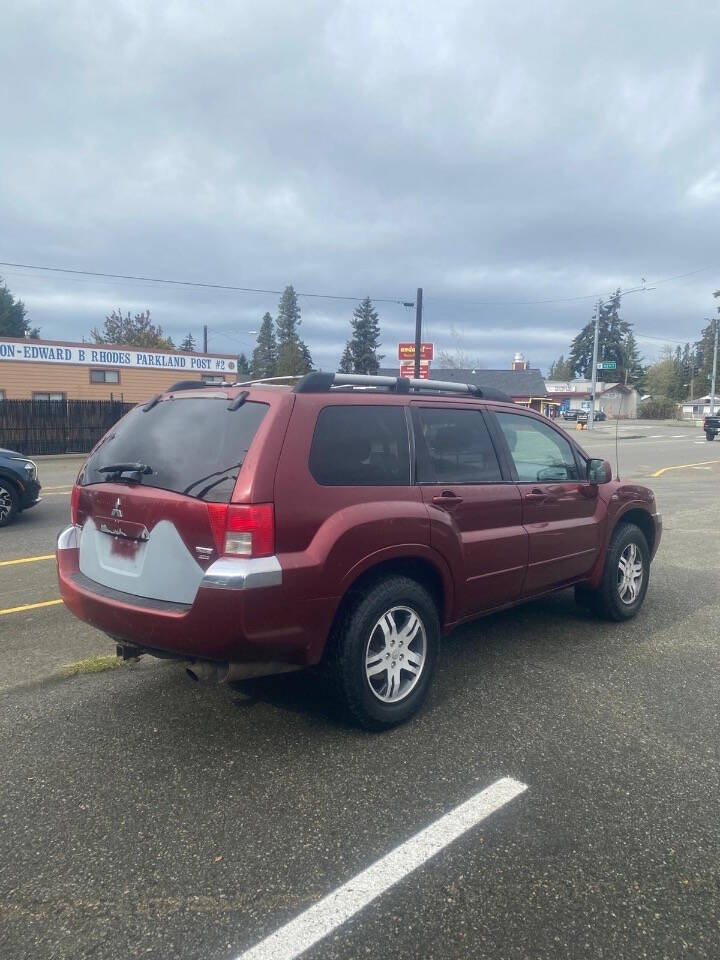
(600, 416)
(711, 426)
(255, 529)
(19, 485)
(570, 414)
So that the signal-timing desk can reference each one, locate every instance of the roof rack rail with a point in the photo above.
(249, 383)
(317, 382)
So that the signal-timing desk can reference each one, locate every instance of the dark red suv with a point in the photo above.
(253, 529)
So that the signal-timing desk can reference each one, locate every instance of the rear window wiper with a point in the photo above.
(215, 473)
(118, 469)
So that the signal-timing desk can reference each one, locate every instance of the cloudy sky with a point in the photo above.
(493, 153)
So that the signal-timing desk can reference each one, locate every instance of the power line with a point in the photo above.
(588, 296)
(195, 283)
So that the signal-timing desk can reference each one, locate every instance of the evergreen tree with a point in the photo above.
(346, 361)
(560, 369)
(365, 338)
(243, 367)
(13, 316)
(704, 356)
(613, 335)
(633, 369)
(293, 355)
(138, 331)
(188, 344)
(265, 355)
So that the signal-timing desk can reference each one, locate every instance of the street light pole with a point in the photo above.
(418, 331)
(716, 324)
(591, 416)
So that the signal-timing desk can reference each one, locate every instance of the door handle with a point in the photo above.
(447, 499)
(536, 496)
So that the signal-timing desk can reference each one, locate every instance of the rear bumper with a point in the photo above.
(240, 613)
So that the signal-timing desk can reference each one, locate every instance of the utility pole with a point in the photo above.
(204, 338)
(591, 417)
(714, 369)
(418, 331)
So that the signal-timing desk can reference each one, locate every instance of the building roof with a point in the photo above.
(516, 383)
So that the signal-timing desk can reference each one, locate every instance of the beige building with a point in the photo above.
(56, 370)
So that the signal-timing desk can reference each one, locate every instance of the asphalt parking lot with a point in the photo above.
(146, 816)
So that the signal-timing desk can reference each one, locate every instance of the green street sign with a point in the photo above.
(607, 365)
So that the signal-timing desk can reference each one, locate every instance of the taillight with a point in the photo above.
(74, 501)
(243, 530)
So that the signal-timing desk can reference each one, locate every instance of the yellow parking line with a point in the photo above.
(682, 466)
(30, 606)
(11, 563)
(58, 493)
(60, 486)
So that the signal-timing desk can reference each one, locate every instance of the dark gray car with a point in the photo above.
(19, 485)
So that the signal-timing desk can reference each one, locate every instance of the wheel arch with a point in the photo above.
(641, 519)
(424, 571)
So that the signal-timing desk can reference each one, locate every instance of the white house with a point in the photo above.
(700, 407)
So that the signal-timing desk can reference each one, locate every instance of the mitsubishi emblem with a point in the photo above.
(117, 509)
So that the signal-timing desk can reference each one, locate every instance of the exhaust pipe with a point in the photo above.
(203, 671)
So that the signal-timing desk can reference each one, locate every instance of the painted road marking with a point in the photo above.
(60, 486)
(332, 911)
(11, 563)
(30, 606)
(59, 493)
(682, 466)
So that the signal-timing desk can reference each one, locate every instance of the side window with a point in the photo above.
(539, 453)
(361, 446)
(454, 446)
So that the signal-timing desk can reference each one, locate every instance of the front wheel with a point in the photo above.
(625, 578)
(383, 652)
(9, 503)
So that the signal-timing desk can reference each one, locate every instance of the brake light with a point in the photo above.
(243, 530)
(74, 501)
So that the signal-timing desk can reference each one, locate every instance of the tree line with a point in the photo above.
(676, 374)
(279, 350)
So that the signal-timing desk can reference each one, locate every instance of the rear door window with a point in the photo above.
(454, 446)
(194, 445)
(361, 446)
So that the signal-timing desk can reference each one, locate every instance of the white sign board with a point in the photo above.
(97, 355)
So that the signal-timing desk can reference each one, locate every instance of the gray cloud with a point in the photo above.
(486, 152)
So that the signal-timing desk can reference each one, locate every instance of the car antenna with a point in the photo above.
(617, 451)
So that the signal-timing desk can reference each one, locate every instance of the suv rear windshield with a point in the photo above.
(194, 445)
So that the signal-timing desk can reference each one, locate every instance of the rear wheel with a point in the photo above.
(383, 652)
(9, 502)
(625, 578)
(709, 435)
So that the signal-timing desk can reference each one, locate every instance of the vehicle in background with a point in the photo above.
(19, 485)
(570, 414)
(348, 522)
(600, 416)
(711, 426)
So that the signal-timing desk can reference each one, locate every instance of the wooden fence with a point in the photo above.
(56, 426)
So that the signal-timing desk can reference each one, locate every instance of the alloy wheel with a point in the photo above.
(630, 574)
(5, 503)
(395, 654)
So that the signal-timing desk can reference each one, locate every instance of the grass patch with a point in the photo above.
(96, 664)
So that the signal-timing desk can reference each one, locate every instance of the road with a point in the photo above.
(145, 816)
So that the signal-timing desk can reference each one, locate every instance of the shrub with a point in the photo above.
(657, 408)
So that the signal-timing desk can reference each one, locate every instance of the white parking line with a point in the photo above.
(332, 911)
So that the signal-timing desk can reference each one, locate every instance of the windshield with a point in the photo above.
(191, 445)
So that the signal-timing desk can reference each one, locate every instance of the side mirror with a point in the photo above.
(599, 471)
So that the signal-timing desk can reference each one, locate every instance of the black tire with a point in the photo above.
(709, 435)
(357, 633)
(9, 502)
(607, 602)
